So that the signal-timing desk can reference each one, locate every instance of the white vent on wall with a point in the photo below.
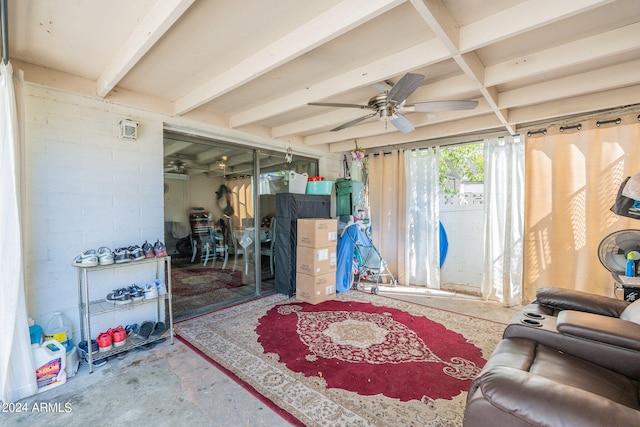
(128, 129)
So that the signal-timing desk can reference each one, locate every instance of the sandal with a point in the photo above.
(158, 329)
(146, 328)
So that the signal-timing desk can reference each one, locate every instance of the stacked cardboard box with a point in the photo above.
(316, 260)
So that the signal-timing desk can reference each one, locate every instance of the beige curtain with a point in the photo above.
(571, 181)
(387, 207)
(242, 201)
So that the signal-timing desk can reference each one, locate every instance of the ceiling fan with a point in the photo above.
(389, 104)
(177, 166)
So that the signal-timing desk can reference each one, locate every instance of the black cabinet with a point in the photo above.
(290, 207)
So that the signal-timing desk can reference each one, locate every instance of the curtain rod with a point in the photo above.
(5, 31)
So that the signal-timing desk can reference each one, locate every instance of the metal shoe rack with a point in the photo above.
(89, 308)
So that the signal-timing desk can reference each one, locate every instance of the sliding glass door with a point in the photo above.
(219, 207)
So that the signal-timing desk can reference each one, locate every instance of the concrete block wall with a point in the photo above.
(86, 188)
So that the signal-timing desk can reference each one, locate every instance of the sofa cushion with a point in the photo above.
(569, 299)
(632, 312)
(529, 384)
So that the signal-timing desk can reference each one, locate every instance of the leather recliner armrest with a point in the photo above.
(608, 330)
(541, 401)
(569, 299)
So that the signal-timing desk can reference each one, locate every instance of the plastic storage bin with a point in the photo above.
(322, 188)
(297, 182)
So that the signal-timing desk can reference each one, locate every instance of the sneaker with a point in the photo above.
(162, 289)
(87, 259)
(150, 291)
(99, 362)
(118, 335)
(136, 292)
(83, 346)
(147, 249)
(104, 341)
(121, 255)
(159, 249)
(105, 256)
(119, 296)
(135, 253)
(131, 329)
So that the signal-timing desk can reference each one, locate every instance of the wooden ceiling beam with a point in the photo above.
(159, 19)
(336, 21)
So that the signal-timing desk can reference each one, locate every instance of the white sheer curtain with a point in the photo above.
(503, 220)
(422, 245)
(17, 373)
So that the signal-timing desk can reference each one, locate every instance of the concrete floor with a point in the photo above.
(172, 385)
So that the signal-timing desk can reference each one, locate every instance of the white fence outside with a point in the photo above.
(463, 219)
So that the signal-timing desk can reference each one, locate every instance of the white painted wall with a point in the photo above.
(87, 188)
(463, 266)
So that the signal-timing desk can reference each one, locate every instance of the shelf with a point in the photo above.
(131, 344)
(124, 264)
(98, 307)
(89, 308)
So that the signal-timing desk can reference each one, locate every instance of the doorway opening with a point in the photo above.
(219, 205)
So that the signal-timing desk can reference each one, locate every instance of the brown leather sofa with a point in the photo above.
(568, 359)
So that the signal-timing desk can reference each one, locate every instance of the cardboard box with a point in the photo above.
(316, 261)
(315, 289)
(317, 233)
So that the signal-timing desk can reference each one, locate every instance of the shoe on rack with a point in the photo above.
(121, 255)
(105, 256)
(83, 346)
(87, 259)
(135, 253)
(150, 291)
(146, 328)
(104, 341)
(136, 292)
(147, 249)
(162, 288)
(100, 362)
(158, 329)
(118, 335)
(131, 329)
(159, 249)
(119, 296)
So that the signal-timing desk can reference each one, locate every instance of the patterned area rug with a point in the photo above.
(194, 288)
(361, 360)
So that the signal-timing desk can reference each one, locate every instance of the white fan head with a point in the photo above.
(614, 248)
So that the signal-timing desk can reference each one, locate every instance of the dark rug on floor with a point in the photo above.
(195, 288)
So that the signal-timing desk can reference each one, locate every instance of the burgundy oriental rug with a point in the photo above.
(362, 359)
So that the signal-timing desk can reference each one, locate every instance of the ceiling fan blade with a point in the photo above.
(353, 122)
(405, 87)
(402, 124)
(335, 104)
(433, 106)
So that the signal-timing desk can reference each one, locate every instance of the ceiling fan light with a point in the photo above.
(385, 114)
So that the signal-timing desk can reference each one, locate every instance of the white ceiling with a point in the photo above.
(254, 64)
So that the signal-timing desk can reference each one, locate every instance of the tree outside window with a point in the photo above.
(463, 162)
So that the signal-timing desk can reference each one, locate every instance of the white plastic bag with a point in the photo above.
(632, 189)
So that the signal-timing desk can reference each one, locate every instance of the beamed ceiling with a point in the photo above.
(255, 65)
